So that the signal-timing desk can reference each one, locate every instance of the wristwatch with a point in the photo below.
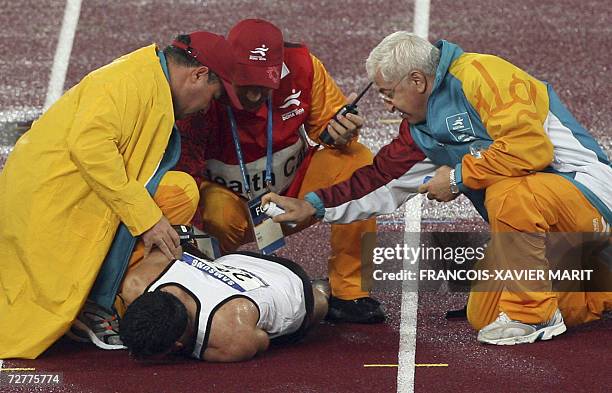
(453, 183)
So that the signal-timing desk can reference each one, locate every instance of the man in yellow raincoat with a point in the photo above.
(98, 159)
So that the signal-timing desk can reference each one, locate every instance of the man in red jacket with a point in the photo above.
(284, 91)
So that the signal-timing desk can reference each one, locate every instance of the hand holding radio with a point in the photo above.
(345, 123)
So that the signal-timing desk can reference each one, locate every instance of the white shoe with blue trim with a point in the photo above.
(505, 331)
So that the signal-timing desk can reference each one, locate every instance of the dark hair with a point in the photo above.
(212, 77)
(184, 59)
(152, 323)
(179, 56)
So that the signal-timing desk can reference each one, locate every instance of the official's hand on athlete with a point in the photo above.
(438, 187)
(164, 237)
(296, 210)
(344, 128)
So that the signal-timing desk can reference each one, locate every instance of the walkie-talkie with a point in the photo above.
(186, 232)
(349, 108)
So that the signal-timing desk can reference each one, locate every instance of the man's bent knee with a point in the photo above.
(224, 215)
(178, 197)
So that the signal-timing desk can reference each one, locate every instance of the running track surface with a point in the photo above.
(566, 43)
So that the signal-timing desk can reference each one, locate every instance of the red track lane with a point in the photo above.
(329, 361)
(577, 361)
(569, 44)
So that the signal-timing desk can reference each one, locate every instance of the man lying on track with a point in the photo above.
(224, 310)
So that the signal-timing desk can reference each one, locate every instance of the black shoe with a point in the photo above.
(362, 310)
(457, 314)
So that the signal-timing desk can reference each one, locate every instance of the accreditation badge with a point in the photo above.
(268, 234)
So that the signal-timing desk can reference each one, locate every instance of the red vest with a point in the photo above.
(290, 109)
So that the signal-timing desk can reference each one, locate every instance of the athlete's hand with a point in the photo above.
(296, 210)
(164, 237)
(344, 128)
(438, 187)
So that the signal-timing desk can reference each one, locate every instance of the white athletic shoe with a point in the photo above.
(505, 331)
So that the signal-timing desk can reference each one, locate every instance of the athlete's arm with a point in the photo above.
(234, 335)
(139, 278)
(243, 347)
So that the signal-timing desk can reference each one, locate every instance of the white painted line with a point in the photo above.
(410, 294)
(396, 365)
(420, 24)
(62, 52)
(410, 300)
(1, 361)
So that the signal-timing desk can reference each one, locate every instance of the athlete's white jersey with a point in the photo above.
(277, 292)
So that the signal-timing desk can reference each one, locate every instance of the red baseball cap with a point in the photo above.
(258, 50)
(214, 52)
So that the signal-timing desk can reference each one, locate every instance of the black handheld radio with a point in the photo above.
(187, 233)
(350, 108)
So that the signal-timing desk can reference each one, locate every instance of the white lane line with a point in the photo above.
(410, 300)
(62, 52)
(420, 24)
(396, 365)
(410, 295)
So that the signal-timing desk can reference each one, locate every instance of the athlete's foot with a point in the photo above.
(97, 325)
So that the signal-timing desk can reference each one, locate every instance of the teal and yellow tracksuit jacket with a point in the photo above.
(518, 120)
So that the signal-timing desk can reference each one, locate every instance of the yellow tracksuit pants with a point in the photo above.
(536, 204)
(225, 216)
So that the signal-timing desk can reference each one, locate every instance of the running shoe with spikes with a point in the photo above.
(95, 324)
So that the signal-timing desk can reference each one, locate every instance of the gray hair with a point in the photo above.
(400, 53)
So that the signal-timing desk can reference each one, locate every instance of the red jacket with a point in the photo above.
(306, 96)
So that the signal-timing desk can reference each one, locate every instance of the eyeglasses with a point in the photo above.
(388, 98)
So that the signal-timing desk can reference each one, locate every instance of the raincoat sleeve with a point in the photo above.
(104, 121)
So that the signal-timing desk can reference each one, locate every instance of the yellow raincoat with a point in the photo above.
(71, 179)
